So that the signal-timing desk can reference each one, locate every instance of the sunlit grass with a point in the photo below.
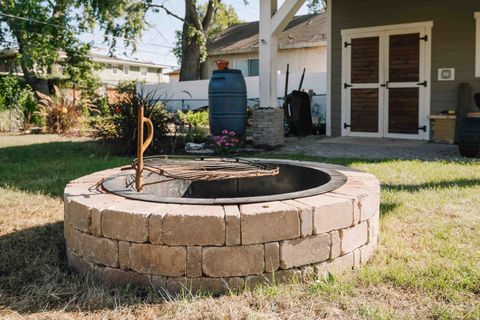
(427, 264)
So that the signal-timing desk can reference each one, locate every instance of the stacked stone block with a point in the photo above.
(268, 127)
(219, 248)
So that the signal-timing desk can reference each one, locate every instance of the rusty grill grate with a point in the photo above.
(206, 168)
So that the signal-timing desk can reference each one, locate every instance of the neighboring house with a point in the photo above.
(394, 63)
(115, 69)
(173, 76)
(302, 44)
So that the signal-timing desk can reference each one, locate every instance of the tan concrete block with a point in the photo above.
(272, 256)
(330, 213)
(356, 258)
(258, 280)
(121, 278)
(335, 244)
(373, 228)
(355, 203)
(306, 217)
(299, 252)
(78, 215)
(308, 273)
(354, 237)
(155, 223)
(194, 261)
(339, 265)
(78, 209)
(214, 286)
(366, 252)
(158, 260)
(233, 261)
(194, 225)
(159, 283)
(369, 199)
(99, 250)
(287, 276)
(72, 237)
(236, 284)
(127, 220)
(124, 254)
(270, 221)
(96, 222)
(232, 224)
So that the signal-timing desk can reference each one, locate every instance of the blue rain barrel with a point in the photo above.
(227, 99)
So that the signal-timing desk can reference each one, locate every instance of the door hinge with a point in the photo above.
(424, 38)
(424, 128)
(345, 125)
(347, 44)
(424, 83)
(346, 85)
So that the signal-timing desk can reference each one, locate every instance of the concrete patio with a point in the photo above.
(370, 148)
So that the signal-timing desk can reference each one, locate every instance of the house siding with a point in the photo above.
(314, 59)
(453, 42)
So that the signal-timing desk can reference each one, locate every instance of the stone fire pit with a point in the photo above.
(301, 227)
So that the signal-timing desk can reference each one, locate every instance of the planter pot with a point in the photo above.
(222, 64)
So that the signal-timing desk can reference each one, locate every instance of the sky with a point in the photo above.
(158, 40)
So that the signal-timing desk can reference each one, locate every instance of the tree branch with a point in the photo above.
(161, 6)
(209, 15)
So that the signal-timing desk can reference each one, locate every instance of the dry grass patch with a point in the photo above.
(426, 267)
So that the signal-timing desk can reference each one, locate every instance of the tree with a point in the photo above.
(197, 26)
(42, 29)
(225, 16)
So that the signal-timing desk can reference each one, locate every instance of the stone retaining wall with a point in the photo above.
(214, 247)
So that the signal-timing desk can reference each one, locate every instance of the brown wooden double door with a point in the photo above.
(385, 84)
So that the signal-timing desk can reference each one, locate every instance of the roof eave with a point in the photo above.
(300, 45)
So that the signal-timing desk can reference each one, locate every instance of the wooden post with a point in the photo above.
(272, 23)
(142, 146)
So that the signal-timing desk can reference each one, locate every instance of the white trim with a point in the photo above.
(328, 111)
(392, 27)
(143, 69)
(126, 67)
(384, 32)
(114, 69)
(477, 44)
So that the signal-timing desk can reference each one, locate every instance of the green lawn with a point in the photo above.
(427, 264)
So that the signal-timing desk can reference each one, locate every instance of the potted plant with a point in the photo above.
(222, 64)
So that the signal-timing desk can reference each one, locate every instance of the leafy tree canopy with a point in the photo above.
(42, 29)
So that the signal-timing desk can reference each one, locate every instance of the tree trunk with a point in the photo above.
(190, 66)
(37, 84)
(190, 69)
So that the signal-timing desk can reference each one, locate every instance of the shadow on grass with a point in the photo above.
(47, 168)
(34, 277)
(444, 184)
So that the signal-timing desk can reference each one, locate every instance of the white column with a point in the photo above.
(268, 55)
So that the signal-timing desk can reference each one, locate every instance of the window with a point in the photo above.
(126, 70)
(249, 67)
(477, 45)
(114, 69)
(143, 71)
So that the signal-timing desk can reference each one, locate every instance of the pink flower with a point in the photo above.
(234, 140)
(231, 133)
(225, 131)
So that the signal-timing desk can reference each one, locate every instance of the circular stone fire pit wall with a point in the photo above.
(216, 248)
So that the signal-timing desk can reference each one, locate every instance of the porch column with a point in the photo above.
(273, 21)
(268, 120)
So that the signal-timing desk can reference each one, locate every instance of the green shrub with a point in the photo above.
(16, 94)
(195, 124)
(120, 125)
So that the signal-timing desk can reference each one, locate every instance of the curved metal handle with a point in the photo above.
(149, 139)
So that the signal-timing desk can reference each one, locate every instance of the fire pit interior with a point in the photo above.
(282, 182)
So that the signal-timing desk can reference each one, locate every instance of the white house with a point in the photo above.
(114, 69)
(302, 44)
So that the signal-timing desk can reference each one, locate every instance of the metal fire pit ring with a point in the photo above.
(121, 184)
